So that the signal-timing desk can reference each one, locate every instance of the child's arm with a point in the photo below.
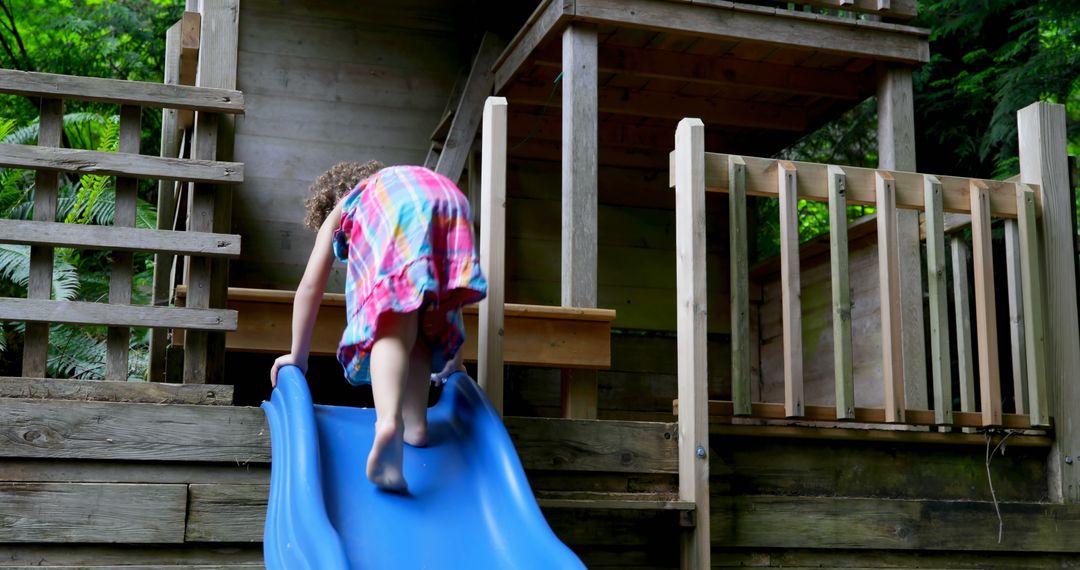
(309, 296)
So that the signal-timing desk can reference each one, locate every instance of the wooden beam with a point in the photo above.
(189, 30)
(1043, 161)
(119, 164)
(691, 322)
(99, 391)
(841, 294)
(114, 238)
(226, 513)
(985, 306)
(1031, 276)
(579, 199)
(940, 366)
(721, 411)
(738, 246)
(84, 313)
(961, 263)
(466, 120)
(1015, 293)
(891, 436)
(791, 291)
(547, 20)
(120, 278)
(730, 21)
(46, 187)
(493, 250)
(892, 368)
(121, 92)
(609, 446)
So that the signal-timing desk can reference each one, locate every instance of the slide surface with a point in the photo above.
(469, 504)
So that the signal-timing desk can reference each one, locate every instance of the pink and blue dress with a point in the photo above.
(406, 239)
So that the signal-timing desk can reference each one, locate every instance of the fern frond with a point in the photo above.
(15, 264)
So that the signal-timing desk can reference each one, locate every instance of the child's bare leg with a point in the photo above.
(389, 378)
(414, 403)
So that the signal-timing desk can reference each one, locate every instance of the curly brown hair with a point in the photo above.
(331, 185)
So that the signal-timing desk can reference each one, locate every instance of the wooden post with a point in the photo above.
(892, 366)
(691, 323)
(1035, 328)
(579, 199)
(985, 305)
(896, 151)
(492, 248)
(36, 345)
(116, 360)
(841, 294)
(740, 287)
(1015, 293)
(1043, 162)
(790, 289)
(961, 256)
(939, 302)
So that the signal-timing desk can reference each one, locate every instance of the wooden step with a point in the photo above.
(612, 501)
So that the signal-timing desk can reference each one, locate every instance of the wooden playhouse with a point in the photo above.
(675, 401)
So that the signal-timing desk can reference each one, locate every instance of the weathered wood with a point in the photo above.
(91, 390)
(1034, 310)
(790, 288)
(200, 218)
(547, 19)
(493, 250)
(579, 197)
(92, 512)
(857, 38)
(611, 501)
(1014, 291)
(470, 108)
(892, 370)
(132, 431)
(119, 164)
(143, 557)
(1043, 161)
(85, 313)
(841, 294)
(187, 59)
(122, 92)
(36, 343)
(804, 522)
(691, 318)
(807, 559)
(940, 367)
(226, 513)
(985, 306)
(68, 470)
(721, 411)
(861, 185)
(899, 9)
(738, 247)
(116, 356)
(961, 263)
(592, 445)
(115, 238)
(819, 434)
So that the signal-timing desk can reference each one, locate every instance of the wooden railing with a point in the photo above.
(696, 172)
(901, 10)
(44, 233)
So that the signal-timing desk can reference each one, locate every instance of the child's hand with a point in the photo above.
(283, 361)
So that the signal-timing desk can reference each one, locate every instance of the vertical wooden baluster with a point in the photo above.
(116, 359)
(939, 301)
(841, 294)
(892, 368)
(985, 308)
(740, 287)
(1034, 321)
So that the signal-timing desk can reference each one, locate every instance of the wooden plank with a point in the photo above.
(822, 434)
(790, 288)
(143, 557)
(115, 238)
(544, 23)
(592, 445)
(899, 9)
(226, 513)
(691, 321)
(985, 306)
(730, 21)
(98, 391)
(579, 199)
(961, 263)
(53, 429)
(120, 91)
(892, 370)
(119, 164)
(841, 294)
(861, 185)
(116, 356)
(890, 524)
(68, 470)
(36, 343)
(92, 512)
(85, 313)
(611, 501)
(493, 250)
(738, 247)
(200, 217)
(187, 59)
(470, 109)
(1014, 291)
(940, 366)
(1043, 161)
(719, 410)
(1035, 322)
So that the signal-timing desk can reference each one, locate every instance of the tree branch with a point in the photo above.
(14, 28)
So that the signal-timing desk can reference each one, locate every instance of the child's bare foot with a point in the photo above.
(384, 461)
(416, 434)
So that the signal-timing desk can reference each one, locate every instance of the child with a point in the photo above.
(405, 235)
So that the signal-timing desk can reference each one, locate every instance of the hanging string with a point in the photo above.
(540, 116)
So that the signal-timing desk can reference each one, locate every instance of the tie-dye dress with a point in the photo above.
(406, 238)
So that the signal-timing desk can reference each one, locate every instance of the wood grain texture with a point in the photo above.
(226, 513)
(119, 164)
(739, 241)
(889, 286)
(1031, 274)
(86, 313)
(114, 238)
(1015, 294)
(143, 557)
(120, 277)
(721, 412)
(103, 391)
(493, 250)
(593, 445)
(940, 361)
(122, 92)
(791, 289)
(92, 512)
(965, 359)
(985, 307)
(841, 294)
(468, 115)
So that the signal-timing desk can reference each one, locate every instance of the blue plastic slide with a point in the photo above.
(469, 504)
